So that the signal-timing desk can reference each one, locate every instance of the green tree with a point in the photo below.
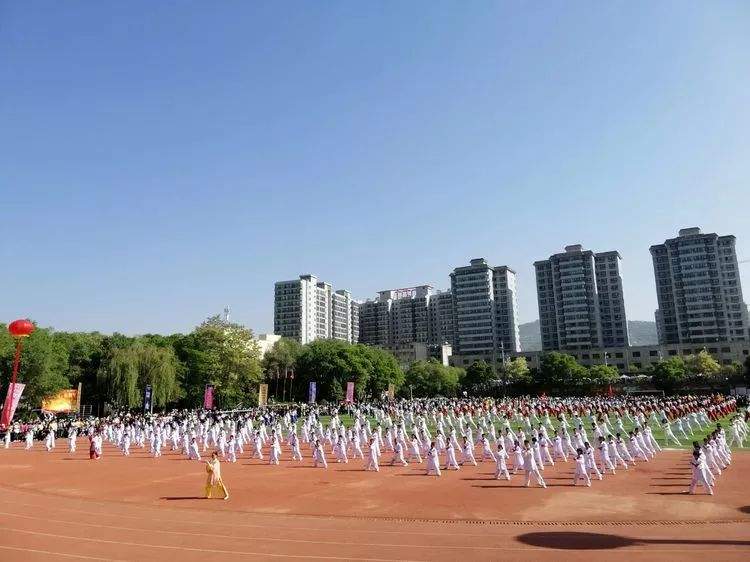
(225, 355)
(282, 357)
(118, 374)
(333, 363)
(669, 374)
(478, 378)
(517, 372)
(562, 372)
(431, 378)
(385, 371)
(702, 364)
(602, 375)
(733, 372)
(747, 370)
(85, 353)
(158, 366)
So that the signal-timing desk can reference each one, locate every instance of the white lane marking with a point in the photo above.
(36, 551)
(224, 536)
(196, 549)
(249, 525)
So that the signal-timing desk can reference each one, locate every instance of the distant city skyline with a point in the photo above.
(151, 175)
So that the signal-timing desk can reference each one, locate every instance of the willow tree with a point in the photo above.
(118, 376)
(126, 371)
(158, 367)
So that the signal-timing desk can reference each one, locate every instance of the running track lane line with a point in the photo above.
(242, 553)
(223, 536)
(208, 550)
(252, 526)
(454, 524)
(55, 553)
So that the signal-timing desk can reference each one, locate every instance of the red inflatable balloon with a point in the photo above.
(21, 328)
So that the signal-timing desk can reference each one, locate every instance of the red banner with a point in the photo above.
(208, 397)
(350, 392)
(11, 403)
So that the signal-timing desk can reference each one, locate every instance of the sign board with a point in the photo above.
(64, 402)
(350, 392)
(148, 394)
(262, 395)
(208, 397)
(312, 393)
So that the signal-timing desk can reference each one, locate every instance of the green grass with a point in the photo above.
(658, 433)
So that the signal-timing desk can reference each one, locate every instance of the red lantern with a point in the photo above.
(21, 328)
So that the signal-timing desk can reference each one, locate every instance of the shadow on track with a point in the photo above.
(600, 541)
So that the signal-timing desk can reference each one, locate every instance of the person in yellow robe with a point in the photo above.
(213, 479)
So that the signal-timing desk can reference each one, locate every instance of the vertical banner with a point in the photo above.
(312, 393)
(208, 397)
(11, 403)
(350, 392)
(262, 395)
(148, 394)
(391, 391)
(78, 398)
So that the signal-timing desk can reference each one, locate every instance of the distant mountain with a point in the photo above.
(642, 332)
(531, 337)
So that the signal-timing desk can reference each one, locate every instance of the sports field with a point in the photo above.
(63, 506)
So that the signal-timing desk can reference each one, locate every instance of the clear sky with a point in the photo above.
(160, 160)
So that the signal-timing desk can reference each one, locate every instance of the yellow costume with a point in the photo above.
(213, 479)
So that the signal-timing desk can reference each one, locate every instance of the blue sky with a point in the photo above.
(160, 160)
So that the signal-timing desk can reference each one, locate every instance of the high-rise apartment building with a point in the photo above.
(506, 308)
(375, 322)
(442, 319)
(581, 303)
(698, 289)
(354, 311)
(307, 309)
(485, 309)
(341, 315)
(407, 316)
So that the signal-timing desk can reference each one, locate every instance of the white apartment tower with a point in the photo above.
(307, 309)
(442, 320)
(581, 304)
(341, 315)
(698, 289)
(406, 316)
(485, 310)
(354, 311)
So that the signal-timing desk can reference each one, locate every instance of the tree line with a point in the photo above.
(115, 369)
